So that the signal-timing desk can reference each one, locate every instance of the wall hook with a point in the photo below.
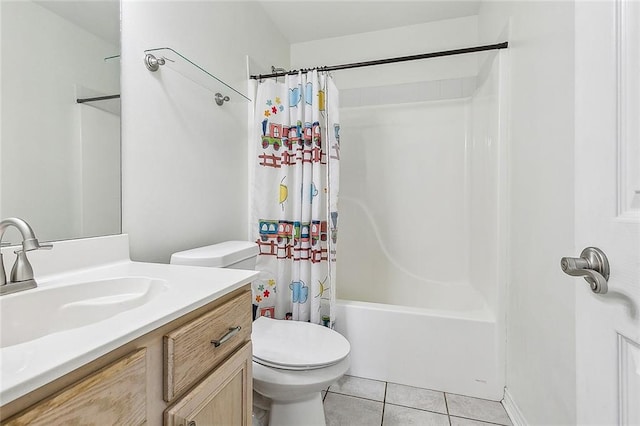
(220, 100)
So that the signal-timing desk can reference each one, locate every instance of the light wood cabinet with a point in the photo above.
(113, 395)
(172, 372)
(222, 398)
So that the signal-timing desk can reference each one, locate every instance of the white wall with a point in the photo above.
(540, 318)
(184, 158)
(408, 40)
(101, 190)
(44, 58)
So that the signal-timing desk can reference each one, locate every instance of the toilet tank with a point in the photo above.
(230, 254)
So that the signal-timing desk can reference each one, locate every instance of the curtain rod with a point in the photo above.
(97, 98)
(486, 47)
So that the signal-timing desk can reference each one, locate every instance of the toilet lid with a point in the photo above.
(296, 345)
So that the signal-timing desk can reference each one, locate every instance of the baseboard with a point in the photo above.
(512, 409)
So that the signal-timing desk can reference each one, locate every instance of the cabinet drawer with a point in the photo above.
(189, 351)
(114, 395)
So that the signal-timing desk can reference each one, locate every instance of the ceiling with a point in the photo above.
(334, 18)
(325, 18)
(99, 17)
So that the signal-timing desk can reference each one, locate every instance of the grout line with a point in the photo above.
(416, 408)
(384, 403)
(355, 396)
(472, 397)
(446, 406)
(478, 420)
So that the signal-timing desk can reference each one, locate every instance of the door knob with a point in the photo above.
(593, 265)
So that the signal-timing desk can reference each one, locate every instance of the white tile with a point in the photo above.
(348, 410)
(459, 421)
(401, 416)
(409, 396)
(477, 409)
(357, 386)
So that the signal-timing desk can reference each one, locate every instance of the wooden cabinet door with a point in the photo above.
(222, 398)
(114, 395)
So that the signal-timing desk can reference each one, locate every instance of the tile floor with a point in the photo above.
(357, 401)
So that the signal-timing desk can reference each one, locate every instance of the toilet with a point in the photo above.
(293, 361)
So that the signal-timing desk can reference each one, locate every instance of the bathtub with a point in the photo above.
(416, 321)
(419, 277)
(450, 344)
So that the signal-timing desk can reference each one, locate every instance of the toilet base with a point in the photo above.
(289, 413)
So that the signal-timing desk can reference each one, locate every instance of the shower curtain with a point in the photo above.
(294, 197)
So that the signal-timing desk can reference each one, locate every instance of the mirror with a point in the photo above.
(60, 159)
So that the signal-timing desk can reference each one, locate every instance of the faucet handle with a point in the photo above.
(22, 270)
(3, 276)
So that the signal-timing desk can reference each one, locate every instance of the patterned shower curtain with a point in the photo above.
(294, 197)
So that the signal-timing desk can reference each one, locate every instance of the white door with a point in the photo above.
(607, 200)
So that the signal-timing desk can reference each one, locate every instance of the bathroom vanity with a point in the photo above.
(177, 349)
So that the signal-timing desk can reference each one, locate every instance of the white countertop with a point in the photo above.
(27, 366)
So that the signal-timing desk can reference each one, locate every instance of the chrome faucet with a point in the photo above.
(22, 273)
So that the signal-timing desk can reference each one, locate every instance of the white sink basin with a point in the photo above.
(36, 313)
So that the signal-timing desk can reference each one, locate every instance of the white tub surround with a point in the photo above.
(31, 364)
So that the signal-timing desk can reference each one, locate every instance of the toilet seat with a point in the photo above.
(296, 345)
